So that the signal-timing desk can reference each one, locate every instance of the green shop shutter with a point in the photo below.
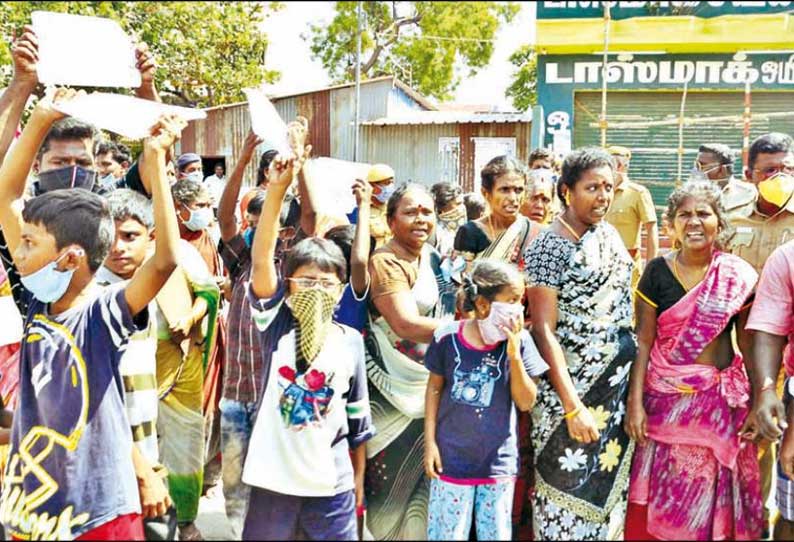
(654, 149)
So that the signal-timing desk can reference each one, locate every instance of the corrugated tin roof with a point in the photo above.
(449, 117)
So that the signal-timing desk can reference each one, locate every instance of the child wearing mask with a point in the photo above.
(315, 405)
(481, 369)
(71, 402)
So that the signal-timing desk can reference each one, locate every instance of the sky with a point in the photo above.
(290, 54)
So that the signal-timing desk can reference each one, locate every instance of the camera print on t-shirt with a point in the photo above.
(475, 388)
(305, 397)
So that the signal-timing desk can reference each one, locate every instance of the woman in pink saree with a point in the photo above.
(693, 477)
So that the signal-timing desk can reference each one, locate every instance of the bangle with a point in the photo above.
(769, 384)
(573, 413)
(360, 509)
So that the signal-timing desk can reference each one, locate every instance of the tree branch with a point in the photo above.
(393, 28)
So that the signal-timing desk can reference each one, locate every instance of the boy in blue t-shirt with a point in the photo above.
(480, 370)
(70, 467)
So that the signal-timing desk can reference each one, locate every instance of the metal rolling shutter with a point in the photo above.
(654, 149)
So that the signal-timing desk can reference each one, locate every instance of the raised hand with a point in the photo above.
(362, 190)
(165, 133)
(25, 55)
(145, 63)
(46, 107)
(252, 141)
(297, 132)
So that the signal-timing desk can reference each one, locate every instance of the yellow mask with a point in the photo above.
(777, 189)
(314, 311)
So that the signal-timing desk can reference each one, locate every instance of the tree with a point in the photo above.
(427, 40)
(524, 86)
(206, 51)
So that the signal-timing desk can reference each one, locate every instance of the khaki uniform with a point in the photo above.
(378, 226)
(631, 208)
(753, 239)
(754, 235)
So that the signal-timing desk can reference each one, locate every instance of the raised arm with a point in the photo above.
(264, 278)
(636, 421)
(25, 54)
(144, 61)
(17, 165)
(359, 255)
(543, 307)
(228, 201)
(298, 131)
(147, 282)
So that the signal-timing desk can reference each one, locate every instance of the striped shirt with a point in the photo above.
(138, 369)
(242, 373)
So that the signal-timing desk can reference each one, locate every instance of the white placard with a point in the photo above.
(84, 51)
(266, 122)
(125, 115)
(333, 182)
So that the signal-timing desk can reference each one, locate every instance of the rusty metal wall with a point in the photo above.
(413, 150)
(374, 104)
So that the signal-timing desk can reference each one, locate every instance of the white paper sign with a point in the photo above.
(84, 51)
(266, 122)
(333, 180)
(125, 115)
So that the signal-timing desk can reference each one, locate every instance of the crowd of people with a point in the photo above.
(525, 363)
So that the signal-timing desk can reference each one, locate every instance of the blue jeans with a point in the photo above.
(236, 426)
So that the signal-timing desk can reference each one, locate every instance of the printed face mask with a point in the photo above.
(313, 308)
(48, 284)
(66, 177)
(385, 193)
(500, 315)
(453, 219)
(199, 219)
(777, 189)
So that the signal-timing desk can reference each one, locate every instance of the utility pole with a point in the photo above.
(358, 82)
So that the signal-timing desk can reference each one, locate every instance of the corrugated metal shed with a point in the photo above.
(414, 150)
(449, 117)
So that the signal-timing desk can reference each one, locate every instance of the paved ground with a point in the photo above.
(211, 519)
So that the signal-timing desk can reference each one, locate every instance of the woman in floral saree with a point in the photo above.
(579, 274)
(693, 477)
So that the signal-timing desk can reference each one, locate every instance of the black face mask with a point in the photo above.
(66, 177)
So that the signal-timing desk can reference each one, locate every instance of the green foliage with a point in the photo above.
(206, 51)
(398, 38)
(524, 86)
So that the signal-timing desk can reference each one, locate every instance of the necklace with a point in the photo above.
(569, 228)
(678, 276)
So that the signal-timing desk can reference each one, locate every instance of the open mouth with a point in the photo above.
(695, 236)
(600, 211)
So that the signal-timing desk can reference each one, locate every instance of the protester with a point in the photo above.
(475, 206)
(632, 211)
(450, 215)
(405, 312)
(502, 234)
(541, 158)
(134, 220)
(579, 275)
(692, 478)
(357, 247)
(381, 177)
(539, 204)
(93, 495)
(298, 467)
(112, 162)
(480, 371)
(771, 323)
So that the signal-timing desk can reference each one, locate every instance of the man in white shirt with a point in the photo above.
(215, 184)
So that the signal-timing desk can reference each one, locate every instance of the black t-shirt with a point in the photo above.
(471, 238)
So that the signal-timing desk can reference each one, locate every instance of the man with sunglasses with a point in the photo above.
(761, 214)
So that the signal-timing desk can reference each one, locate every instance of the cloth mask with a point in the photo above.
(313, 308)
(66, 177)
(199, 219)
(500, 315)
(453, 219)
(385, 193)
(777, 189)
(48, 284)
(108, 182)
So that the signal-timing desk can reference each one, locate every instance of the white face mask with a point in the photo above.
(195, 176)
(500, 316)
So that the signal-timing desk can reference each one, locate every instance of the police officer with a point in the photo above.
(632, 209)
(714, 162)
(381, 177)
(761, 214)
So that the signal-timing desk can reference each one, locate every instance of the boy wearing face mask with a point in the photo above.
(70, 470)
(315, 405)
(480, 371)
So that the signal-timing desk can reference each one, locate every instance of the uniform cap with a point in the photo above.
(380, 172)
(617, 150)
